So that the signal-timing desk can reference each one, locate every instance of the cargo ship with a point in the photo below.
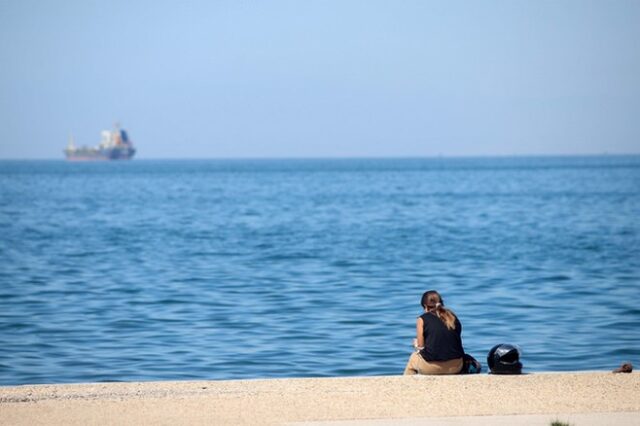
(115, 145)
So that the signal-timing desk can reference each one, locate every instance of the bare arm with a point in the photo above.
(419, 340)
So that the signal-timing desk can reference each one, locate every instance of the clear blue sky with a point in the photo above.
(210, 79)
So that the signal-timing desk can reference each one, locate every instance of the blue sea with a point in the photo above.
(233, 269)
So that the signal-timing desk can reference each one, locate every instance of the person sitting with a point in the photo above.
(438, 342)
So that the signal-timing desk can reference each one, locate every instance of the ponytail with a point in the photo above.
(446, 316)
(432, 302)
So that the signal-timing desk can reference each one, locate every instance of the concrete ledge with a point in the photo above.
(372, 400)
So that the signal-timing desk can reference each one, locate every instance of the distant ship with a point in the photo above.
(115, 145)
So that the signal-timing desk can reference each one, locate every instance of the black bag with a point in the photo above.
(470, 365)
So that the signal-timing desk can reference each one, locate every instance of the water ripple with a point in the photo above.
(234, 269)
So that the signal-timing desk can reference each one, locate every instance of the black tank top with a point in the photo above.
(440, 343)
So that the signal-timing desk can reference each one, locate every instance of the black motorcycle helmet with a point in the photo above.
(504, 359)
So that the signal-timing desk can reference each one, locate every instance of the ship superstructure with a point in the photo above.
(114, 145)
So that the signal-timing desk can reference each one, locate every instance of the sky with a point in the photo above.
(291, 79)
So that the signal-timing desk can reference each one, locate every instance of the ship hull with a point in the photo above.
(100, 155)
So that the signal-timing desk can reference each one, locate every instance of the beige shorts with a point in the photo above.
(418, 365)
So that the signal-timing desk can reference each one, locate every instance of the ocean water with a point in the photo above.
(171, 270)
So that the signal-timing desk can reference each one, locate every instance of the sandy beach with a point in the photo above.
(585, 397)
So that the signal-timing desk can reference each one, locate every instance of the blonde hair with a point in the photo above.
(432, 302)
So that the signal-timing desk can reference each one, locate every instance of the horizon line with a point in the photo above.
(354, 157)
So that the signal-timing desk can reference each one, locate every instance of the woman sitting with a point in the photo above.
(438, 341)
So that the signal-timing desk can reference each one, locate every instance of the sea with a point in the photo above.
(150, 270)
